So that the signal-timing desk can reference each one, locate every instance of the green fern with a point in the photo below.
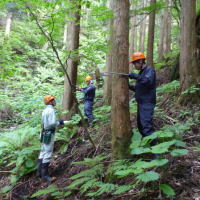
(89, 184)
(95, 171)
(78, 182)
(90, 162)
(122, 189)
(48, 190)
(103, 188)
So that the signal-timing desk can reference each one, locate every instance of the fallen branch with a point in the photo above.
(8, 172)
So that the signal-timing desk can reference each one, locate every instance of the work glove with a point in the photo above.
(67, 122)
(61, 122)
(133, 76)
(79, 89)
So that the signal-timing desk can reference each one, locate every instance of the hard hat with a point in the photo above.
(137, 56)
(48, 99)
(88, 78)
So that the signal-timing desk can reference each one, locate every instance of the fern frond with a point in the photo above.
(97, 170)
(90, 184)
(48, 190)
(103, 188)
(90, 162)
(122, 189)
(78, 182)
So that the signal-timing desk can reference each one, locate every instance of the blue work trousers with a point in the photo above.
(88, 106)
(145, 113)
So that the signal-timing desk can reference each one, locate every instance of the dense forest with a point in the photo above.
(100, 99)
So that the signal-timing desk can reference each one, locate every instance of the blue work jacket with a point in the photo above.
(89, 92)
(145, 87)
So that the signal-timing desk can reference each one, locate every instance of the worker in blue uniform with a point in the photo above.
(89, 95)
(145, 93)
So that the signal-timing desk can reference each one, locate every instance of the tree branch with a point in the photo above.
(51, 41)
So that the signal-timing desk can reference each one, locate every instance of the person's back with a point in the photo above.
(89, 92)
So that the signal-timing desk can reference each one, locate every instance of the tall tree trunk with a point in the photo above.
(133, 34)
(161, 38)
(167, 22)
(120, 121)
(165, 32)
(108, 79)
(143, 34)
(142, 29)
(65, 36)
(189, 69)
(8, 23)
(151, 35)
(72, 63)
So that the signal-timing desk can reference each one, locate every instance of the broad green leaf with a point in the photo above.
(148, 139)
(127, 172)
(179, 152)
(163, 147)
(165, 134)
(29, 164)
(148, 176)
(140, 150)
(136, 140)
(180, 143)
(153, 163)
(168, 190)
(5, 189)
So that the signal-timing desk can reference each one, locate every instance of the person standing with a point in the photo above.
(145, 93)
(49, 124)
(89, 95)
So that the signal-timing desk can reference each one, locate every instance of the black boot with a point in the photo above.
(39, 167)
(45, 173)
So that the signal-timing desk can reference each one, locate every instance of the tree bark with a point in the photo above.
(65, 37)
(8, 24)
(161, 38)
(167, 38)
(142, 29)
(133, 34)
(165, 32)
(189, 69)
(150, 43)
(72, 63)
(108, 79)
(120, 120)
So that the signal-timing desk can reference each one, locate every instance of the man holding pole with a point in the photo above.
(145, 93)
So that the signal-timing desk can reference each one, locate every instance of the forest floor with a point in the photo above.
(182, 173)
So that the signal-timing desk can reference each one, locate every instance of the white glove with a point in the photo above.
(67, 122)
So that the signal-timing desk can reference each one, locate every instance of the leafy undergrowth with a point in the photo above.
(84, 173)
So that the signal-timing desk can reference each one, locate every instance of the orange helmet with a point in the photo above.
(137, 56)
(88, 78)
(48, 99)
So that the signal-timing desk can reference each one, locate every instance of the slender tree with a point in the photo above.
(120, 121)
(8, 23)
(150, 43)
(189, 69)
(165, 32)
(108, 79)
(142, 29)
(73, 31)
(133, 33)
